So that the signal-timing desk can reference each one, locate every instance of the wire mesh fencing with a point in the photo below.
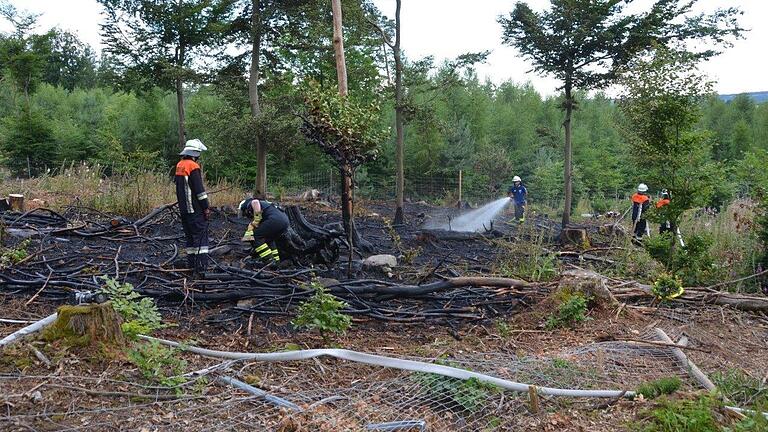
(338, 395)
(439, 189)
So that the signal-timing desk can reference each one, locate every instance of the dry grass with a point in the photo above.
(123, 194)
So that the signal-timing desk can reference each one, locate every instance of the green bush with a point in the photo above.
(140, 313)
(667, 287)
(158, 364)
(322, 312)
(692, 263)
(572, 310)
(662, 386)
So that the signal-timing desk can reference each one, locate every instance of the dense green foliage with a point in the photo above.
(57, 106)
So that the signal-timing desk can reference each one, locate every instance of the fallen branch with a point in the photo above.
(688, 365)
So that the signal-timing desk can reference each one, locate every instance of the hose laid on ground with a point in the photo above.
(32, 328)
(409, 365)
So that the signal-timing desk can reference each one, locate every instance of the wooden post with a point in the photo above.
(16, 202)
(459, 188)
(533, 396)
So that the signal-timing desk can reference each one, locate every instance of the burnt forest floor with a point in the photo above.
(86, 391)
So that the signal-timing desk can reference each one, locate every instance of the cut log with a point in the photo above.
(419, 290)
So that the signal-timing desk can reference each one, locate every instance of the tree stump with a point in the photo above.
(308, 243)
(575, 237)
(96, 325)
(16, 202)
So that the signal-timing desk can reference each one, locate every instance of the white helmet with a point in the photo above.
(642, 187)
(516, 179)
(193, 148)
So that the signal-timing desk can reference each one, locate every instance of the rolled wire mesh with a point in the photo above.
(344, 396)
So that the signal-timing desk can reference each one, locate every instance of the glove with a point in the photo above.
(248, 236)
(207, 214)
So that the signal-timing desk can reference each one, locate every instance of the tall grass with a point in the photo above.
(735, 246)
(130, 194)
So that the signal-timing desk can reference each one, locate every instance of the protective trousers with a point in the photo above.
(520, 212)
(265, 234)
(196, 233)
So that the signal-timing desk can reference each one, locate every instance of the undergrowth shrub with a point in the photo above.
(159, 364)
(571, 310)
(667, 287)
(741, 388)
(692, 263)
(704, 413)
(526, 257)
(139, 313)
(322, 312)
(14, 255)
(462, 395)
(682, 416)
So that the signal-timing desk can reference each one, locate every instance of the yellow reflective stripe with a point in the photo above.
(265, 254)
(677, 294)
(262, 247)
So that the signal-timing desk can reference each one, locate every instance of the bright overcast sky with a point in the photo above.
(446, 28)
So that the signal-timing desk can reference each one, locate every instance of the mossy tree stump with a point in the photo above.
(95, 325)
(575, 237)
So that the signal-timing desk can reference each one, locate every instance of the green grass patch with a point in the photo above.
(662, 386)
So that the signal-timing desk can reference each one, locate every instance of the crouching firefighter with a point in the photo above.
(268, 223)
(193, 206)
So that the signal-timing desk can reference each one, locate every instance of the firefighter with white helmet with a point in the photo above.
(193, 206)
(518, 193)
(640, 203)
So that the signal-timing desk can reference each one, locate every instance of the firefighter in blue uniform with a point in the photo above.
(518, 193)
(268, 223)
(193, 206)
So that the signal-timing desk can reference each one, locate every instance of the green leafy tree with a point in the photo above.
(161, 43)
(585, 43)
(662, 104)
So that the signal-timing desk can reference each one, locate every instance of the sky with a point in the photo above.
(447, 28)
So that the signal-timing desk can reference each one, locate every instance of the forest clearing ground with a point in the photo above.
(62, 396)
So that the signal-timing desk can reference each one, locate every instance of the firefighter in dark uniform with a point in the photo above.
(640, 203)
(665, 226)
(193, 206)
(268, 223)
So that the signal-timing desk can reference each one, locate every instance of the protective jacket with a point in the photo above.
(193, 201)
(189, 187)
(639, 201)
(518, 193)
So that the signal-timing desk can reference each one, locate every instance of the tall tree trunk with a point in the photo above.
(568, 165)
(338, 46)
(180, 107)
(400, 140)
(253, 96)
(341, 73)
